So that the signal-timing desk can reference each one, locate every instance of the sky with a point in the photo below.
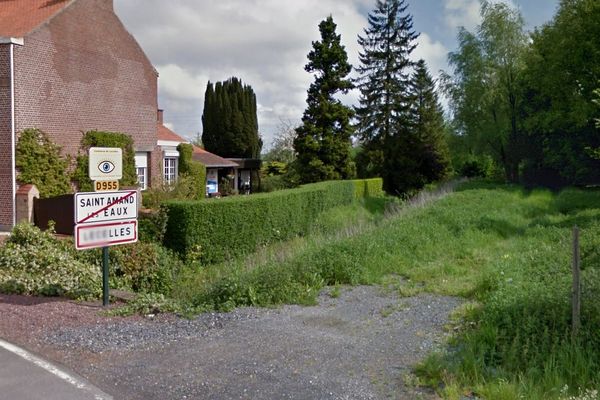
(265, 44)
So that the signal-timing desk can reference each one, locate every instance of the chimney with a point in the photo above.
(160, 116)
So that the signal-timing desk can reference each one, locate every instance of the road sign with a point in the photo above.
(106, 186)
(106, 163)
(89, 236)
(93, 207)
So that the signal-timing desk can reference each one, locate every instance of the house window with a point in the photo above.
(142, 177)
(141, 168)
(170, 170)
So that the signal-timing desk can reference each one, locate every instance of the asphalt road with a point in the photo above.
(24, 376)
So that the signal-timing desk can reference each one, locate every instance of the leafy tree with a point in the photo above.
(39, 162)
(229, 120)
(384, 79)
(282, 146)
(563, 71)
(193, 170)
(323, 140)
(597, 102)
(484, 89)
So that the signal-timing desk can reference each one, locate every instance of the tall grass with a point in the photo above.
(505, 249)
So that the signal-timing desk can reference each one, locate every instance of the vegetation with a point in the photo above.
(229, 120)
(195, 171)
(527, 103)
(419, 155)
(39, 162)
(37, 263)
(217, 231)
(505, 250)
(105, 139)
(384, 81)
(483, 89)
(322, 142)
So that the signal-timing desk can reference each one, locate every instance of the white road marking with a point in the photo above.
(53, 370)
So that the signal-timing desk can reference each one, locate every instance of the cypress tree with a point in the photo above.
(229, 120)
(384, 79)
(323, 140)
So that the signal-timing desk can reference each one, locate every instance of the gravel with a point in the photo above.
(360, 345)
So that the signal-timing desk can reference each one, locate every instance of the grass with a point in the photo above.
(504, 249)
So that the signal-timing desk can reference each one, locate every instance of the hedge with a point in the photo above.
(368, 188)
(218, 230)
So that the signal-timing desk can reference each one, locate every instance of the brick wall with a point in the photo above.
(84, 71)
(6, 186)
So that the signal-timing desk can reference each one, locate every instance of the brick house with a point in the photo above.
(67, 67)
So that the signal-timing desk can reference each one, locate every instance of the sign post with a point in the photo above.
(106, 217)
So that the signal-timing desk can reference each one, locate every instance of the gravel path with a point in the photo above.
(360, 345)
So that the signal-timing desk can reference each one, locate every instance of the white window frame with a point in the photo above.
(170, 165)
(143, 182)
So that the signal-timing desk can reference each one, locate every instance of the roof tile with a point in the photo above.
(19, 17)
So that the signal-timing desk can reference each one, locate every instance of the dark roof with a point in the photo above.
(212, 160)
(19, 17)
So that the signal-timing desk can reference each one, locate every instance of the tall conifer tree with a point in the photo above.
(384, 79)
(323, 140)
(420, 155)
(229, 120)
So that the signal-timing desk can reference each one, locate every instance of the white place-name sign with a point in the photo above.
(89, 236)
(93, 207)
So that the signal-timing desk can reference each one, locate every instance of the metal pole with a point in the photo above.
(105, 276)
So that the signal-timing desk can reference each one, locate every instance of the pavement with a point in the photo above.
(24, 376)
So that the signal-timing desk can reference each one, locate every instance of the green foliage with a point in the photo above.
(152, 225)
(186, 188)
(229, 120)
(38, 161)
(418, 156)
(387, 44)
(282, 146)
(563, 70)
(322, 142)
(231, 227)
(105, 139)
(193, 170)
(35, 262)
(364, 188)
(484, 89)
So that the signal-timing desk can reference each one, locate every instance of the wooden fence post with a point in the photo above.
(576, 292)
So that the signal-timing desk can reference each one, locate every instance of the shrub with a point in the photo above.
(105, 139)
(225, 228)
(194, 170)
(152, 225)
(39, 162)
(368, 188)
(34, 262)
(141, 267)
(184, 189)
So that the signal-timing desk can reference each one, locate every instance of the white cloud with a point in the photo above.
(433, 52)
(463, 13)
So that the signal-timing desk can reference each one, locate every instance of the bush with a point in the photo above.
(34, 262)
(105, 139)
(152, 225)
(186, 188)
(193, 170)
(39, 162)
(368, 188)
(226, 228)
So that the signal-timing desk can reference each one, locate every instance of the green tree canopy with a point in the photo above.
(484, 86)
(323, 140)
(229, 120)
(384, 78)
